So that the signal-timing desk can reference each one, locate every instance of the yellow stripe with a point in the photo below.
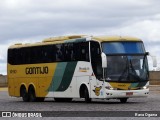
(4, 89)
(123, 86)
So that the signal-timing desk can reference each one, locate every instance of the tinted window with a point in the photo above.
(123, 47)
(82, 51)
(49, 53)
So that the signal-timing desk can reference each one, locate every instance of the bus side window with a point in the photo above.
(72, 52)
(52, 51)
(67, 54)
(17, 56)
(59, 52)
(11, 56)
(45, 54)
(28, 56)
(82, 51)
(49, 53)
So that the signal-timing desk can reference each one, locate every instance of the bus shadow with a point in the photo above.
(97, 102)
(79, 101)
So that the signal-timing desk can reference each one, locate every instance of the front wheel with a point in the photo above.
(86, 96)
(123, 100)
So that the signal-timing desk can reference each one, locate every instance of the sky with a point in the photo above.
(29, 21)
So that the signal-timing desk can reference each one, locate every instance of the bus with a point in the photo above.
(79, 66)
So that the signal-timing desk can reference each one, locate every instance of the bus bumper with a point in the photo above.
(126, 93)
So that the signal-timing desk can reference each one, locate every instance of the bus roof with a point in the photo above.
(62, 39)
(115, 38)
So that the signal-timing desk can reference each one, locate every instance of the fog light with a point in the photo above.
(107, 93)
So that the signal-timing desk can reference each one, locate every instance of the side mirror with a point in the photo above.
(153, 59)
(104, 60)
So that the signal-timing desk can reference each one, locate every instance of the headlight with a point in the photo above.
(110, 88)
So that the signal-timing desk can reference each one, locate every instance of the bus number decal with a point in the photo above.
(13, 71)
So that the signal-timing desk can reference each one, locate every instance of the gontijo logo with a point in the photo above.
(37, 70)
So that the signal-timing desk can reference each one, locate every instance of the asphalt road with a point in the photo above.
(151, 104)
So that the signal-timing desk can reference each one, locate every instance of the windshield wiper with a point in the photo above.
(129, 72)
(125, 72)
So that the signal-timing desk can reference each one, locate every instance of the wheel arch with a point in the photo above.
(31, 85)
(82, 87)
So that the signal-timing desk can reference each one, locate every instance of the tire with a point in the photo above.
(123, 100)
(24, 94)
(86, 95)
(32, 95)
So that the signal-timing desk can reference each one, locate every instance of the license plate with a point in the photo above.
(129, 93)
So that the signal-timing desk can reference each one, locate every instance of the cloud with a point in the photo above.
(20, 19)
(33, 20)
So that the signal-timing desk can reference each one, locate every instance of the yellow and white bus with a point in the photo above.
(66, 67)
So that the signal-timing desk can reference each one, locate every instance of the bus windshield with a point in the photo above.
(123, 47)
(126, 62)
(127, 68)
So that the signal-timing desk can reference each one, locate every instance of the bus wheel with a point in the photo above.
(123, 100)
(24, 94)
(86, 95)
(32, 95)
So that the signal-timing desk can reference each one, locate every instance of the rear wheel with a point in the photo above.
(24, 94)
(123, 100)
(32, 95)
